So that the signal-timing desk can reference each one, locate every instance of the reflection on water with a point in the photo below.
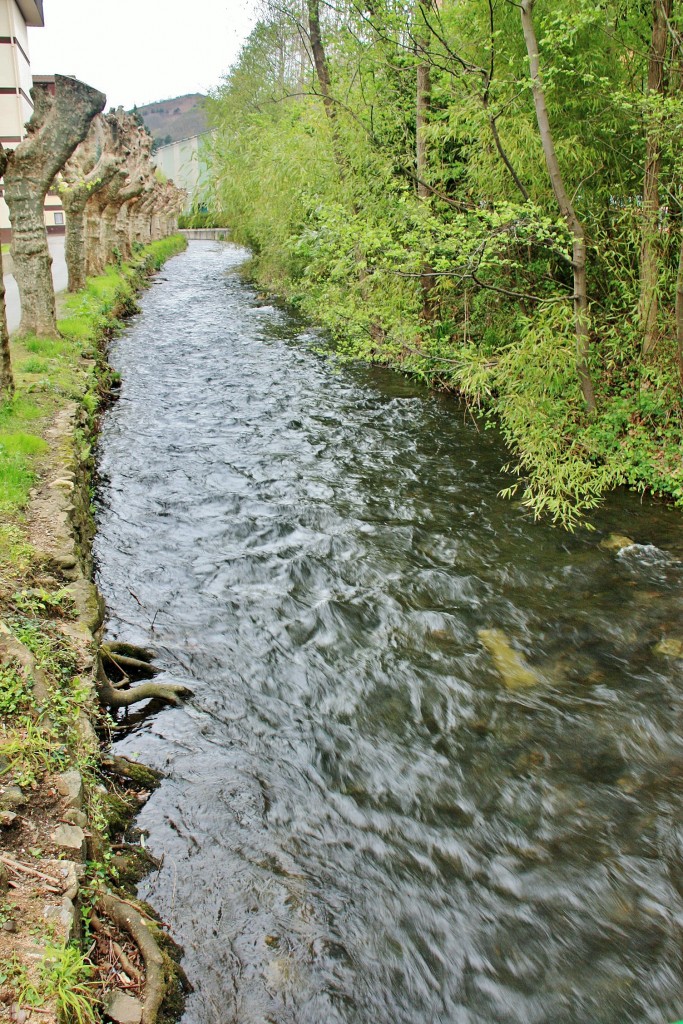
(361, 821)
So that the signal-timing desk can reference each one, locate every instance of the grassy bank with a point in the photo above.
(48, 610)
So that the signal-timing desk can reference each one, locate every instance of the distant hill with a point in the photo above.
(178, 118)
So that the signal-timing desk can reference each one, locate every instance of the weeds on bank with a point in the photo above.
(64, 976)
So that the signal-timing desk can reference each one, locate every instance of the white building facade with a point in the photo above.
(16, 107)
(184, 163)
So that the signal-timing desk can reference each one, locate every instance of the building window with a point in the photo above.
(59, 218)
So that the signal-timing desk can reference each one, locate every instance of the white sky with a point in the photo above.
(138, 51)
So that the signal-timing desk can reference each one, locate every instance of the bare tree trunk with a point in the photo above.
(59, 122)
(422, 107)
(74, 244)
(649, 244)
(581, 314)
(319, 58)
(90, 169)
(93, 216)
(324, 83)
(6, 377)
(424, 89)
(679, 309)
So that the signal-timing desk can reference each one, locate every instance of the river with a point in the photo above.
(360, 822)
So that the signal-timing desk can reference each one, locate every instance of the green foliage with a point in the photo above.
(469, 287)
(13, 692)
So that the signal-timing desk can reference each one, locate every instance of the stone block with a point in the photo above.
(64, 916)
(70, 786)
(71, 838)
(123, 1009)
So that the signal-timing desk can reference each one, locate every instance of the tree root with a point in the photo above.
(126, 917)
(130, 650)
(119, 693)
(141, 775)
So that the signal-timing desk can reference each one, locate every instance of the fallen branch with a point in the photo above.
(16, 866)
(129, 967)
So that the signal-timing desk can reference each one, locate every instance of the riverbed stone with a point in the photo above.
(509, 663)
(122, 1008)
(70, 786)
(7, 818)
(71, 838)
(616, 541)
(670, 647)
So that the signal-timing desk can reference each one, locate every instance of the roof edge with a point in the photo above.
(32, 12)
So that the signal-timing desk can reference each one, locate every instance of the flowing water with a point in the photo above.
(360, 821)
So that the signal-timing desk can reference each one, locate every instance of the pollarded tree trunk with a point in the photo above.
(124, 220)
(74, 244)
(649, 244)
(59, 122)
(93, 211)
(581, 314)
(109, 235)
(6, 376)
(90, 169)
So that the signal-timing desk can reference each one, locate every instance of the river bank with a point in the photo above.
(64, 805)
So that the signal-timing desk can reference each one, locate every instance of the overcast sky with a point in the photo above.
(138, 51)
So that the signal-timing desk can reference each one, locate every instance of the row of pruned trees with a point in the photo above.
(111, 194)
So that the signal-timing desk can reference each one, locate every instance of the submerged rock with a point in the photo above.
(670, 647)
(510, 665)
(616, 541)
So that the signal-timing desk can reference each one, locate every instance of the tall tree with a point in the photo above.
(649, 248)
(581, 313)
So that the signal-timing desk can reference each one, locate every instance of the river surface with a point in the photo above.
(360, 822)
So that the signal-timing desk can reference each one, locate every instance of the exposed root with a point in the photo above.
(139, 774)
(128, 919)
(130, 650)
(120, 694)
(131, 665)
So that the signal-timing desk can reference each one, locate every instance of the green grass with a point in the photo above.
(50, 371)
(65, 976)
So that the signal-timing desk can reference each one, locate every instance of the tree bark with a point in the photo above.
(6, 376)
(59, 122)
(679, 310)
(581, 314)
(324, 82)
(90, 169)
(423, 104)
(319, 58)
(649, 245)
